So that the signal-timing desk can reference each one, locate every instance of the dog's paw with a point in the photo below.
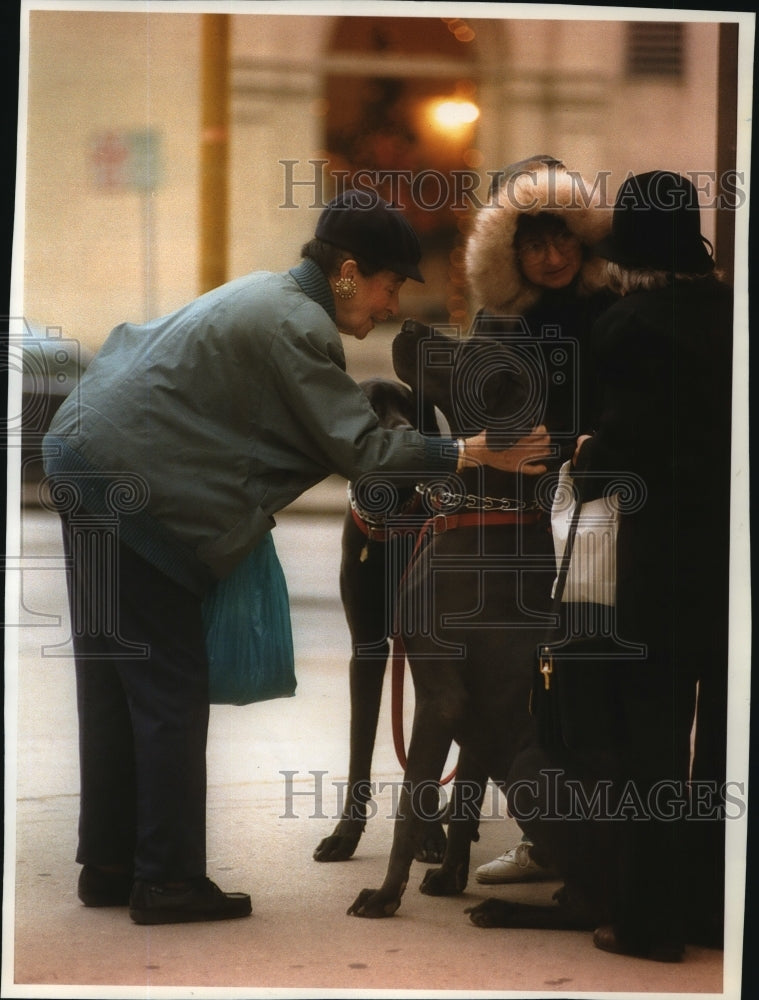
(491, 913)
(373, 903)
(432, 849)
(503, 913)
(342, 842)
(444, 881)
(335, 848)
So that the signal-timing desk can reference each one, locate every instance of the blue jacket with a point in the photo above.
(198, 426)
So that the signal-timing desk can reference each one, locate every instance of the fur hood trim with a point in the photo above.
(495, 279)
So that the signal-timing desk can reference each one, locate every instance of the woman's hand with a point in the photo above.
(520, 457)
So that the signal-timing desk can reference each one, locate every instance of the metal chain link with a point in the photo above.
(379, 520)
(438, 498)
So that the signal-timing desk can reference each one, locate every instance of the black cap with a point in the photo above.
(657, 225)
(375, 231)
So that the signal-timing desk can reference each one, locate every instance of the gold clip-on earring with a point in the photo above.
(345, 288)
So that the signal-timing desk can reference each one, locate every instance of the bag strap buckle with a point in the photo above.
(545, 664)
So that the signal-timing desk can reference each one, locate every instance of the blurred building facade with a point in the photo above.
(114, 124)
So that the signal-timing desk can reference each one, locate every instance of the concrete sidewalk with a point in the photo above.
(275, 774)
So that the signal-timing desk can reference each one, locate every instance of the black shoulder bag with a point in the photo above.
(574, 697)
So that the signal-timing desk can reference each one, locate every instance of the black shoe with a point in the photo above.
(98, 887)
(197, 899)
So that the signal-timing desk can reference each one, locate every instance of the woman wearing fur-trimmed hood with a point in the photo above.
(538, 186)
(532, 273)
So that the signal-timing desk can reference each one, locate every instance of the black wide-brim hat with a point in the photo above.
(376, 232)
(656, 225)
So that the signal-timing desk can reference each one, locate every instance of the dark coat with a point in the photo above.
(225, 411)
(664, 364)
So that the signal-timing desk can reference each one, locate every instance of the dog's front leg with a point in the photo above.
(417, 824)
(463, 822)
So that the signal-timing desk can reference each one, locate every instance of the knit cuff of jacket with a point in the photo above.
(440, 455)
(72, 477)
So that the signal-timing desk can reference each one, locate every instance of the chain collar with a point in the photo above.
(440, 498)
(379, 521)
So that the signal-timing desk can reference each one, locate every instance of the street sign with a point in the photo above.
(126, 160)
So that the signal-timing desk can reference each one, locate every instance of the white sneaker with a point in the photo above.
(515, 865)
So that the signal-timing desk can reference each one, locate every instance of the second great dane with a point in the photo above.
(475, 602)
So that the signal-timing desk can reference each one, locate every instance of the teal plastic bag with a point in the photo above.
(246, 617)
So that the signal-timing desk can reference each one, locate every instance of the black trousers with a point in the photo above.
(142, 696)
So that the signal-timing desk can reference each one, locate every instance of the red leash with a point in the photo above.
(439, 523)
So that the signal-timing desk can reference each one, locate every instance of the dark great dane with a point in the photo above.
(376, 545)
(475, 602)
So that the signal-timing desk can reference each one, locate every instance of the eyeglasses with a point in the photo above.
(534, 251)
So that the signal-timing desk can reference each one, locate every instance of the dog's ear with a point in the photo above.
(425, 360)
(427, 421)
(406, 351)
(394, 403)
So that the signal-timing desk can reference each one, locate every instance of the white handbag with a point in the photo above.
(592, 575)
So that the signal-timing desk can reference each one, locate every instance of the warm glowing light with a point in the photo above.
(452, 114)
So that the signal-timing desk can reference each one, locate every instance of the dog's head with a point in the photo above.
(478, 382)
